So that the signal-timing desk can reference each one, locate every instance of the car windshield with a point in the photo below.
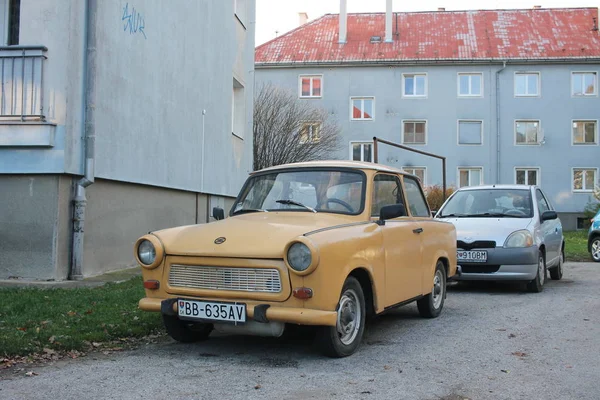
(510, 203)
(334, 191)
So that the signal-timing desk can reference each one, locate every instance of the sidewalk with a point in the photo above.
(94, 281)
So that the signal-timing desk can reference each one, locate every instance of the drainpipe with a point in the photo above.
(498, 121)
(88, 134)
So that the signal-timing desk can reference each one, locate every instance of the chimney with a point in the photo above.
(302, 18)
(343, 18)
(441, 8)
(537, 7)
(388, 21)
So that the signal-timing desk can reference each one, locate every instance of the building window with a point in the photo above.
(10, 15)
(584, 179)
(585, 132)
(584, 83)
(238, 109)
(583, 223)
(361, 151)
(470, 176)
(311, 86)
(470, 85)
(527, 84)
(310, 132)
(419, 172)
(362, 108)
(470, 132)
(415, 85)
(414, 132)
(527, 132)
(527, 176)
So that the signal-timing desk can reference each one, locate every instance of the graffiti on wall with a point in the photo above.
(133, 21)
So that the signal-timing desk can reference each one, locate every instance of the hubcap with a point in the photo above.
(438, 289)
(349, 317)
(596, 249)
(541, 272)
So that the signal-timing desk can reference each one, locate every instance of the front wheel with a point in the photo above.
(343, 339)
(537, 284)
(595, 249)
(185, 331)
(431, 305)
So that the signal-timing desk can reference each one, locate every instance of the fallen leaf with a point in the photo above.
(49, 351)
(512, 335)
(257, 387)
(37, 330)
(386, 367)
(371, 380)
(519, 354)
(569, 366)
(136, 318)
(52, 339)
(71, 313)
(31, 373)
(501, 329)
(88, 312)
(505, 371)
(365, 392)
(95, 344)
(22, 329)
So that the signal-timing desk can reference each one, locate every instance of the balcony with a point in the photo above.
(21, 74)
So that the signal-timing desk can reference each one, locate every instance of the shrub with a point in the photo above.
(435, 197)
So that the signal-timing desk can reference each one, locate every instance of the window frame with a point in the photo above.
(470, 74)
(415, 121)
(538, 171)
(311, 76)
(311, 133)
(415, 96)
(595, 169)
(539, 132)
(400, 186)
(353, 142)
(469, 168)
(539, 83)
(407, 167)
(583, 95)
(362, 98)
(595, 143)
(423, 196)
(458, 132)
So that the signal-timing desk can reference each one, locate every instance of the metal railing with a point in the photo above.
(21, 80)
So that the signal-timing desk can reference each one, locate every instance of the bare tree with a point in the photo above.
(287, 129)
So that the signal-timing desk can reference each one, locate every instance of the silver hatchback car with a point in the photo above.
(505, 232)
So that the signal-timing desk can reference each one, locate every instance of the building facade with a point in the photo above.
(117, 118)
(507, 96)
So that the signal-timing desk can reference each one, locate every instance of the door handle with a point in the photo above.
(418, 230)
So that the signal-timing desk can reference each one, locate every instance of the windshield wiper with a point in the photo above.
(452, 215)
(494, 215)
(248, 210)
(295, 203)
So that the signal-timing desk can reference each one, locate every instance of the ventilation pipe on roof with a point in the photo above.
(537, 7)
(302, 18)
(388, 21)
(343, 18)
(441, 8)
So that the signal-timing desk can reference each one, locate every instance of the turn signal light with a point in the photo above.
(151, 285)
(303, 293)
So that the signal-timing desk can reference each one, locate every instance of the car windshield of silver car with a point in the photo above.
(481, 203)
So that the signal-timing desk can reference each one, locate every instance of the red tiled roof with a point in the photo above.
(442, 35)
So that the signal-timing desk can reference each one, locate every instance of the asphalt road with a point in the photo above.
(492, 341)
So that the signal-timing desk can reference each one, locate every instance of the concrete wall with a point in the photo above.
(556, 109)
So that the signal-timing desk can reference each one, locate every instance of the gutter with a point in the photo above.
(88, 135)
(498, 121)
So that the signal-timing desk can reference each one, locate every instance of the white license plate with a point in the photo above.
(210, 310)
(471, 255)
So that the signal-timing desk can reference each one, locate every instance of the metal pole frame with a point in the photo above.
(375, 157)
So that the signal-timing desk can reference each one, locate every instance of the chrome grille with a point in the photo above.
(225, 278)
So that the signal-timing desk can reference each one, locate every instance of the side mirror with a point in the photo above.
(218, 213)
(548, 215)
(391, 211)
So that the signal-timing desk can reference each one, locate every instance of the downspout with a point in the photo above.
(498, 121)
(88, 135)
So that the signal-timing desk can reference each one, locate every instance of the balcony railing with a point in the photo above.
(21, 74)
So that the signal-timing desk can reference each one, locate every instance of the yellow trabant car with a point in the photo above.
(322, 243)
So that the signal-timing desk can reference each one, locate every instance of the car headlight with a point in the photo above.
(520, 238)
(299, 257)
(146, 252)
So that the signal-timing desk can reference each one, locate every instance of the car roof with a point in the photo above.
(504, 186)
(336, 164)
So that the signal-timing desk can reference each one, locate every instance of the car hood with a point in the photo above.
(256, 235)
(497, 229)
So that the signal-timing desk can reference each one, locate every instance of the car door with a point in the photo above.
(550, 230)
(400, 244)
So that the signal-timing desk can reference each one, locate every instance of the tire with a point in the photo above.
(431, 305)
(185, 331)
(556, 273)
(537, 284)
(344, 339)
(595, 249)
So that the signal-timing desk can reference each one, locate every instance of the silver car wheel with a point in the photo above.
(541, 271)
(438, 289)
(349, 317)
(596, 250)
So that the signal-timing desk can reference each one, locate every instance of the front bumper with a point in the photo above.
(258, 311)
(519, 264)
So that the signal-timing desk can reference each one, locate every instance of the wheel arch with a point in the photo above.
(365, 280)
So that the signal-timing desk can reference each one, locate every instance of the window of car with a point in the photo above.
(415, 198)
(541, 202)
(335, 191)
(386, 191)
(494, 203)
